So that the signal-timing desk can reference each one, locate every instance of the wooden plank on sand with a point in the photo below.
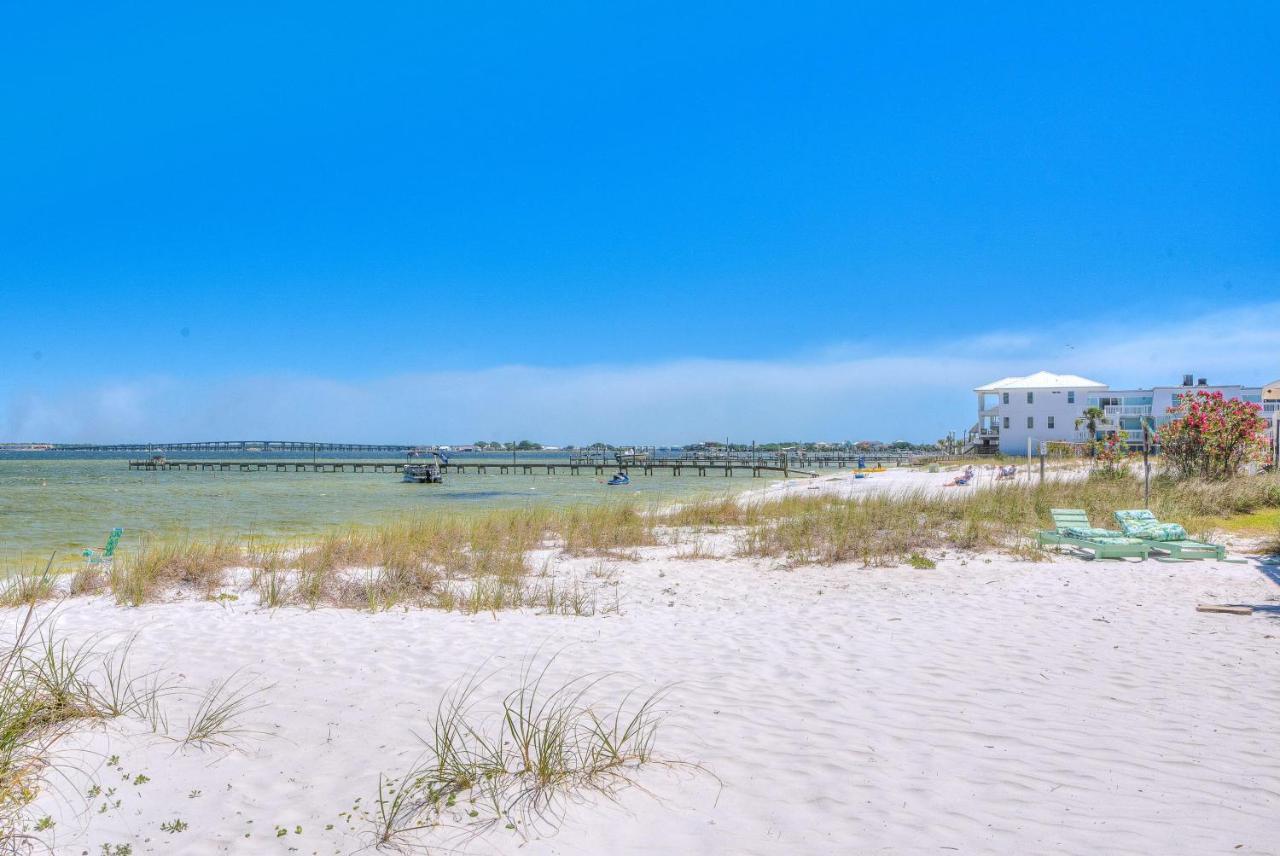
(1230, 610)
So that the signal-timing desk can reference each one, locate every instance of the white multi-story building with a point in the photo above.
(1044, 407)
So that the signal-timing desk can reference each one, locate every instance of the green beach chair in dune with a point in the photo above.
(1168, 538)
(104, 554)
(1071, 527)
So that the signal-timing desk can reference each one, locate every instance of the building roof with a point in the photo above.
(1042, 380)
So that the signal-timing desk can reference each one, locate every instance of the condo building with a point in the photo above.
(1045, 407)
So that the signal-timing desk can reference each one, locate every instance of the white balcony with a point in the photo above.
(1127, 410)
(1271, 407)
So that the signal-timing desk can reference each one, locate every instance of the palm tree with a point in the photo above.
(1091, 418)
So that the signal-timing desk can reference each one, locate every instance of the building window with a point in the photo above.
(1006, 422)
(1031, 398)
(1031, 420)
(1004, 399)
(1071, 396)
(1050, 423)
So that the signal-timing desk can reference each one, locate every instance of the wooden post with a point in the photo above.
(1146, 464)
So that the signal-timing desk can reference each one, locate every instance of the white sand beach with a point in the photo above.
(989, 705)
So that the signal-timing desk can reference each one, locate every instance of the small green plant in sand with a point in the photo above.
(919, 562)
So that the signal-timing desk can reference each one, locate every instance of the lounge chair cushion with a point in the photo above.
(1117, 539)
(1088, 532)
(1141, 523)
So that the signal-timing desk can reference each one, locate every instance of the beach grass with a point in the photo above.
(161, 565)
(219, 715)
(605, 528)
(543, 741)
(48, 687)
(481, 562)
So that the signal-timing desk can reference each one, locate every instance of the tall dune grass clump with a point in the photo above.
(186, 562)
(605, 527)
(25, 588)
(472, 562)
(512, 764)
(718, 511)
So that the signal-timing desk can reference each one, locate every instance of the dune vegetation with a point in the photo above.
(498, 559)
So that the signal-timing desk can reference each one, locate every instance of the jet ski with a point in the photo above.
(620, 478)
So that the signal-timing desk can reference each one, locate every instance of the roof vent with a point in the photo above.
(1188, 380)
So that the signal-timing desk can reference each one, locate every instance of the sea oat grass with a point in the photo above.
(48, 687)
(544, 742)
(28, 587)
(605, 527)
(887, 529)
(479, 562)
(164, 565)
(218, 719)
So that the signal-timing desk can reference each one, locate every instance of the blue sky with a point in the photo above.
(235, 221)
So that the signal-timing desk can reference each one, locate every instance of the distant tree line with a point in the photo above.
(495, 446)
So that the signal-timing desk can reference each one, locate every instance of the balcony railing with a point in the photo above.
(1271, 407)
(1127, 410)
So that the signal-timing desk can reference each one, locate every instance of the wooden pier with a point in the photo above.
(675, 467)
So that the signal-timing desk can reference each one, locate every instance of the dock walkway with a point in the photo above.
(677, 467)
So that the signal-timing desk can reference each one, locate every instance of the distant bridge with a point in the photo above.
(636, 456)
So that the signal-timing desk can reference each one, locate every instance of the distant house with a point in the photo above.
(1015, 411)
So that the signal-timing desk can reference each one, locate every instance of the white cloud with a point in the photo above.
(914, 392)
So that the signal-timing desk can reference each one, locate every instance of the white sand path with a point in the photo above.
(898, 480)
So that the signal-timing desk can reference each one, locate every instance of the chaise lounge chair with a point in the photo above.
(104, 554)
(1071, 527)
(1168, 538)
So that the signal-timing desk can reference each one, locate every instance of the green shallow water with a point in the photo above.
(62, 505)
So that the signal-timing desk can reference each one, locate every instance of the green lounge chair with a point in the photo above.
(104, 555)
(1168, 538)
(1071, 527)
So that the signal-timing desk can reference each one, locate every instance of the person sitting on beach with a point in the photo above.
(961, 480)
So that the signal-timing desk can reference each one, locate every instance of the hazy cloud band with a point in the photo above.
(844, 392)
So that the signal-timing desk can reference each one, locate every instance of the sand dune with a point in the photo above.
(987, 706)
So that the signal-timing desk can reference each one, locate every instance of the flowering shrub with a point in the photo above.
(1112, 453)
(1212, 436)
